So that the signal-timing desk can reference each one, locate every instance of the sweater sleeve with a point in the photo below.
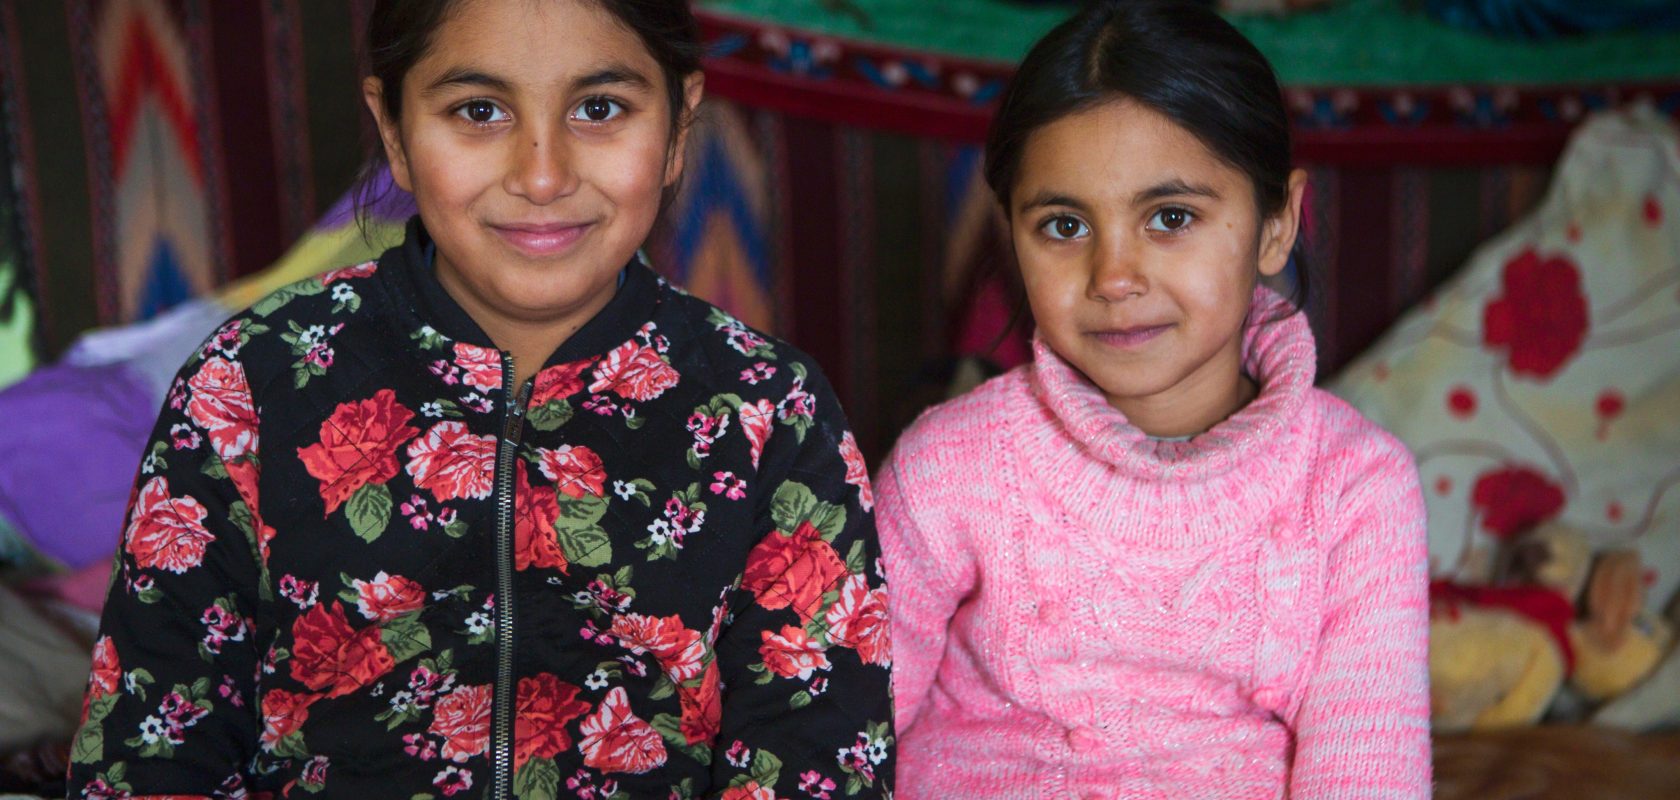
(169, 706)
(931, 574)
(1362, 723)
(806, 661)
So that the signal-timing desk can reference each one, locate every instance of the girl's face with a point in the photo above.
(1139, 250)
(536, 138)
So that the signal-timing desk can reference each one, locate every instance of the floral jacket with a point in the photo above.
(359, 562)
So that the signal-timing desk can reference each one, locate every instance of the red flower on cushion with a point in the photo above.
(221, 405)
(452, 463)
(616, 740)
(1542, 316)
(358, 446)
(329, 655)
(462, 720)
(546, 704)
(634, 372)
(793, 570)
(1513, 499)
(481, 367)
(166, 532)
(283, 713)
(535, 542)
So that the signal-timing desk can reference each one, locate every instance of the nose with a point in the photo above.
(542, 168)
(1117, 273)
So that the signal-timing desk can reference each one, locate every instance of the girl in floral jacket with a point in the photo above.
(502, 513)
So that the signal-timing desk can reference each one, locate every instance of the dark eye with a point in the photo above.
(1170, 219)
(598, 109)
(1064, 227)
(480, 112)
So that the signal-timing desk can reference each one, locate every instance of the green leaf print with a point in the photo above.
(539, 779)
(214, 468)
(369, 511)
(766, 768)
(670, 729)
(89, 746)
(551, 415)
(274, 302)
(794, 504)
(405, 637)
(581, 538)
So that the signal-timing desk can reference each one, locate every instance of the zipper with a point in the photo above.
(502, 714)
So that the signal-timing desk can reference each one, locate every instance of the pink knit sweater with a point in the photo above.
(1079, 610)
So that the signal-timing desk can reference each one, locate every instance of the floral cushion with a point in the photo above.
(1543, 382)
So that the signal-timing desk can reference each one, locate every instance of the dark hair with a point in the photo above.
(399, 33)
(1177, 58)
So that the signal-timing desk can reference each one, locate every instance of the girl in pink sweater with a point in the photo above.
(1155, 562)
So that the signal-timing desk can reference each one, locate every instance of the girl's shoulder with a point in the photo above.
(1353, 446)
(977, 420)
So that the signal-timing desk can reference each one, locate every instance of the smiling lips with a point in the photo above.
(543, 240)
(1130, 338)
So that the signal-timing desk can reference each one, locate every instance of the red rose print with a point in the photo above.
(166, 532)
(358, 446)
(546, 705)
(462, 720)
(576, 471)
(793, 570)
(748, 791)
(1542, 316)
(387, 597)
(358, 271)
(1513, 499)
(858, 619)
(329, 655)
(244, 475)
(535, 542)
(452, 464)
(857, 472)
(616, 740)
(106, 676)
(678, 650)
(755, 422)
(559, 382)
(702, 707)
(481, 367)
(634, 372)
(791, 653)
(283, 713)
(221, 405)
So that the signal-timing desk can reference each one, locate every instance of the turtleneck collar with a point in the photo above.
(409, 272)
(1278, 352)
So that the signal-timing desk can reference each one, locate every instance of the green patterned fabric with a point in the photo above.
(1351, 43)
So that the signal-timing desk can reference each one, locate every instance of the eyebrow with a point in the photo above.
(606, 76)
(1047, 198)
(1173, 188)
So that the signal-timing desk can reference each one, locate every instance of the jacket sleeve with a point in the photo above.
(1362, 723)
(169, 708)
(806, 659)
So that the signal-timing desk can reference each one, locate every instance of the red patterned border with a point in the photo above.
(925, 94)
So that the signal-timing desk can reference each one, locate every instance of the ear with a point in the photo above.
(1278, 238)
(694, 88)
(390, 134)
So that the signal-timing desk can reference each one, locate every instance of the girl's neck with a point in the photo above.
(1201, 400)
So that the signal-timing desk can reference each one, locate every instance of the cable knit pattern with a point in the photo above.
(1080, 610)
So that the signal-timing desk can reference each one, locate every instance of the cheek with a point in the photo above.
(633, 174)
